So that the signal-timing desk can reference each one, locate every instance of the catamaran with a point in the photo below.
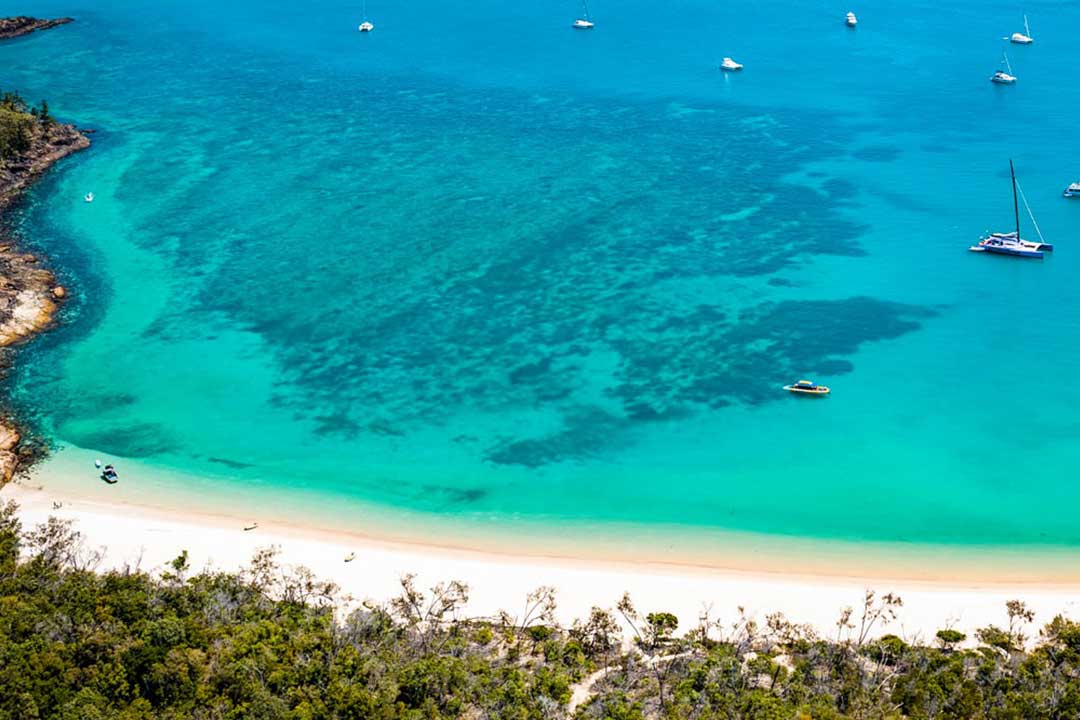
(1023, 38)
(366, 26)
(1012, 243)
(1001, 77)
(584, 23)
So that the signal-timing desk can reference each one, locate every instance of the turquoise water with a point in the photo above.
(479, 266)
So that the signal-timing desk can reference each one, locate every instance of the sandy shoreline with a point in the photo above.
(150, 537)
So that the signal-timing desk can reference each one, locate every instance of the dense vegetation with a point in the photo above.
(270, 643)
(19, 123)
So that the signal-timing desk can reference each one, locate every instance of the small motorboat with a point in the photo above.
(109, 475)
(89, 197)
(1072, 191)
(252, 526)
(729, 65)
(851, 21)
(1022, 38)
(350, 557)
(805, 387)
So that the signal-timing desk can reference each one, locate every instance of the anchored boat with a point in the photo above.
(584, 23)
(365, 26)
(1004, 77)
(851, 21)
(1072, 191)
(806, 387)
(1023, 38)
(1012, 243)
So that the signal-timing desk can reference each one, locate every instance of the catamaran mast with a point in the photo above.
(1016, 203)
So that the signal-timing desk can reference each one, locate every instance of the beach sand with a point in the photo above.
(150, 537)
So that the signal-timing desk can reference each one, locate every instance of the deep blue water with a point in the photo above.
(480, 265)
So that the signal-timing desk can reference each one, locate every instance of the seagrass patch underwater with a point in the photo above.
(517, 271)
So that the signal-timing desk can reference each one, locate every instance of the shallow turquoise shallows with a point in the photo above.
(477, 265)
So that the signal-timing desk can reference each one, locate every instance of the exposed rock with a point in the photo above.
(28, 291)
(9, 436)
(47, 145)
(9, 463)
(13, 27)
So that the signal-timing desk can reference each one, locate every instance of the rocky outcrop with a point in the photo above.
(13, 27)
(47, 145)
(29, 293)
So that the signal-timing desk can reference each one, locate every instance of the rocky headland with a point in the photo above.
(14, 27)
(31, 141)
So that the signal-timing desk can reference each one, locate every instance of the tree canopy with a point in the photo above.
(273, 642)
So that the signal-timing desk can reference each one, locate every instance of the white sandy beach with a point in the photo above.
(150, 537)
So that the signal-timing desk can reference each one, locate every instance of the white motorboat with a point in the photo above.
(730, 65)
(851, 21)
(88, 197)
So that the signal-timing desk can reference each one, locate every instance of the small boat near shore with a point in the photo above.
(1072, 191)
(806, 387)
(729, 65)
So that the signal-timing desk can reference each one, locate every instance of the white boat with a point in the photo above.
(1004, 77)
(584, 23)
(1012, 243)
(1072, 191)
(89, 197)
(730, 65)
(365, 26)
(851, 20)
(1023, 38)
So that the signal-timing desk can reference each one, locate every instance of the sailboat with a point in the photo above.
(584, 23)
(1004, 77)
(365, 26)
(1023, 38)
(1012, 243)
